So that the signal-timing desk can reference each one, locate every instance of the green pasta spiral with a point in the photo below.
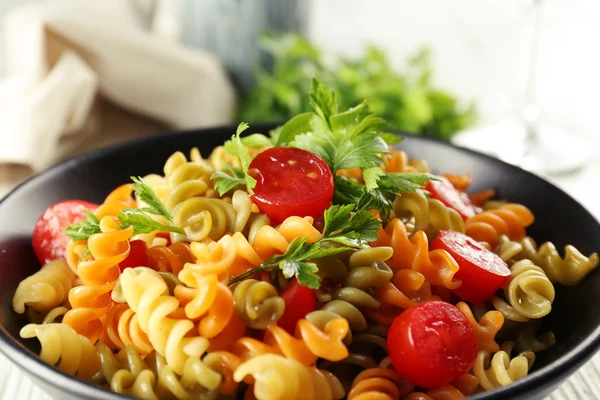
(427, 214)
(257, 303)
(367, 270)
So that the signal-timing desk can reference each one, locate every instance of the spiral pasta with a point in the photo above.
(149, 378)
(367, 269)
(485, 329)
(277, 377)
(45, 289)
(257, 303)
(379, 383)
(529, 291)
(568, 270)
(170, 258)
(510, 219)
(436, 266)
(146, 294)
(117, 200)
(501, 370)
(64, 348)
(98, 273)
(459, 389)
(430, 215)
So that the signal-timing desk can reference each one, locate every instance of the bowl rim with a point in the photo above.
(30, 363)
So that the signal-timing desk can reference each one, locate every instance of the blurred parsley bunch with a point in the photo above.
(407, 101)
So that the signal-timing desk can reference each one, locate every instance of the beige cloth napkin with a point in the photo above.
(61, 55)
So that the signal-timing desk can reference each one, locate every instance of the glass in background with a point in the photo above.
(527, 141)
(230, 29)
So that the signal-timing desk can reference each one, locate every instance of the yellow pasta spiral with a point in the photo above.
(501, 370)
(529, 291)
(45, 289)
(147, 295)
(280, 378)
(568, 270)
(63, 347)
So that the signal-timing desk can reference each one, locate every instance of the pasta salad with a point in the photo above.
(316, 262)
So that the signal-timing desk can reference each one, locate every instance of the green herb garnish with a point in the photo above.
(86, 228)
(343, 231)
(235, 146)
(139, 218)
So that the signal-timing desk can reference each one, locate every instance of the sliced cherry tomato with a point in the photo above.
(432, 344)
(137, 255)
(443, 191)
(299, 301)
(482, 272)
(49, 240)
(291, 182)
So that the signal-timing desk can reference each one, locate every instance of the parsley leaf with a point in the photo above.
(286, 133)
(344, 231)
(340, 222)
(254, 141)
(305, 272)
(142, 222)
(236, 147)
(405, 182)
(323, 100)
(226, 182)
(344, 140)
(371, 176)
(86, 228)
(148, 196)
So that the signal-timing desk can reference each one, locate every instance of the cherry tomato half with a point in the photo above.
(137, 255)
(49, 240)
(482, 272)
(290, 182)
(299, 301)
(432, 344)
(443, 191)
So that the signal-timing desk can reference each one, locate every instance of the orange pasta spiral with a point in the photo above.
(397, 161)
(117, 200)
(437, 266)
(234, 254)
(460, 182)
(171, 258)
(510, 219)
(379, 384)
(122, 329)
(459, 389)
(98, 273)
(486, 328)
(307, 345)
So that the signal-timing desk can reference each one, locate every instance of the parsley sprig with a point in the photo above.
(237, 146)
(86, 228)
(139, 218)
(355, 138)
(343, 231)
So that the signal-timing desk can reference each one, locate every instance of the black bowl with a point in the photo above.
(575, 319)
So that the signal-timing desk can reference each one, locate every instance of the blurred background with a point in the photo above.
(82, 74)
(516, 79)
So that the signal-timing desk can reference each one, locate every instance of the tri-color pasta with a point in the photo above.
(232, 300)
